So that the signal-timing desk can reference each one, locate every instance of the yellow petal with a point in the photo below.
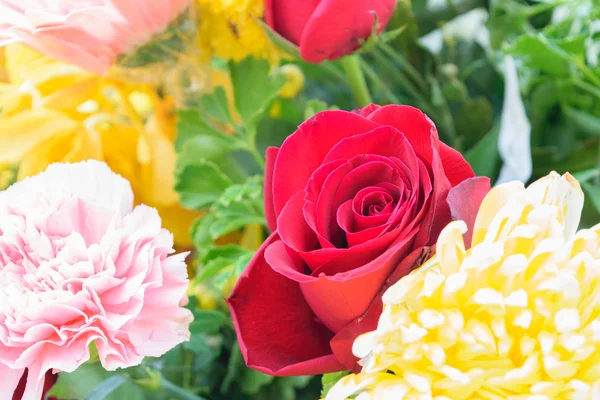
(71, 146)
(25, 64)
(159, 170)
(21, 132)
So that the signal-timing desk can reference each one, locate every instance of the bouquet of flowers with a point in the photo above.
(291, 199)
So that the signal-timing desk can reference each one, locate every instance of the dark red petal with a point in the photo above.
(437, 211)
(457, 169)
(337, 26)
(345, 187)
(366, 111)
(270, 214)
(383, 141)
(346, 220)
(343, 341)
(276, 329)
(465, 199)
(416, 126)
(304, 151)
(289, 17)
(338, 299)
(292, 226)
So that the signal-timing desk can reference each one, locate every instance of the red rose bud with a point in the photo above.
(355, 200)
(327, 29)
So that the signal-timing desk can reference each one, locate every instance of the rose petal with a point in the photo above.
(338, 299)
(345, 186)
(289, 17)
(342, 343)
(293, 228)
(457, 169)
(277, 331)
(414, 124)
(383, 141)
(337, 26)
(465, 199)
(304, 151)
(270, 214)
(346, 220)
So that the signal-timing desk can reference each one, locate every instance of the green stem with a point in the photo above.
(356, 80)
(406, 66)
(328, 67)
(406, 84)
(376, 80)
(260, 160)
(179, 393)
(250, 135)
(188, 358)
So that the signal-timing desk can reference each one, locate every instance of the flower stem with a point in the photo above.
(260, 160)
(356, 80)
(179, 393)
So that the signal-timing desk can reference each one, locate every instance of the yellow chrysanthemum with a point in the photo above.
(517, 316)
(54, 112)
(228, 29)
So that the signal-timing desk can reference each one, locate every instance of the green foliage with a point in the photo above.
(200, 183)
(329, 380)
(254, 90)
(91, 381)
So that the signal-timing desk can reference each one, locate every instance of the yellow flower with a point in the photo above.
(228, 29)
(53, 112)
(517, 316)
(294, 81)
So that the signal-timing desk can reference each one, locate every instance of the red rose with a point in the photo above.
(354, 200)
(327, 29)
(49, 381)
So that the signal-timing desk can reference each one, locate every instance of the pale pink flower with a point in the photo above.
(79, 266)
(87, 33)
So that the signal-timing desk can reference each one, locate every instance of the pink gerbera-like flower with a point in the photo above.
(89, 33)
(80, 267)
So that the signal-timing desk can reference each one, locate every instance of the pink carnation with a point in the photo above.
(79, 266)
(87, 33)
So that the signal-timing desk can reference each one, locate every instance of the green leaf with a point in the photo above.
(218, 259)
(254, 88)
(208, 322)
(229, 252)
(540, 53)
(315, 106)
(252, 381)
(82, 382)
(199, 346)
(329, 380)
(584, 122)
(587, 174)
(297, 382)
(107, 387)
(200, 232)
(279, 41)
(191, 124)
(473, 120)
(234, 367)
(212, 268)
(217, 105)
(484, 156)
(199, 183)
(593, 193)
(239, 205)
